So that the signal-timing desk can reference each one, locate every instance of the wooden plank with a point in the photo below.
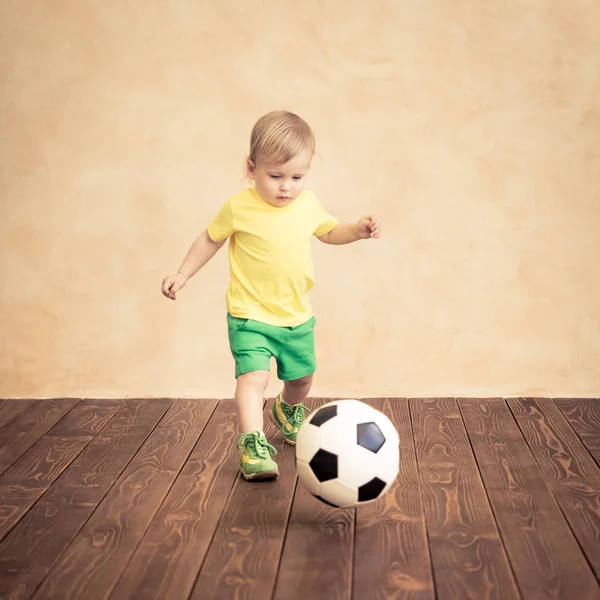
(569, 471)
(27, 427)
(243, 556)
(31, 549)
(93, 563)
(9, 409)
(317, 556)
(545, 558)
(391, 554)
(466, 552)
(169, 557)
(584, 416)
(33, 473)
(89, 417)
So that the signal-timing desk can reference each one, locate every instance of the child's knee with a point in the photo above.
(307, 380)
(254, 379)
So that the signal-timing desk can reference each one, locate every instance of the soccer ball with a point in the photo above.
(347, 453)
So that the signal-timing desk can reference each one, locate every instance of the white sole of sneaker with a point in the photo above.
(260, 476)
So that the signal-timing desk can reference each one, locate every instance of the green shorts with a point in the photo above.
(253, 343)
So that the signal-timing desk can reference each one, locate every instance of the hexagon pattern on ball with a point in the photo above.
(339, 493)
(347, 453)
(330, 438)
(360, 469)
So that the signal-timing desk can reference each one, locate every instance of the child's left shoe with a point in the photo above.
(289, 418)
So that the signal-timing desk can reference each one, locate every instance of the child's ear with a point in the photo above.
(249, 168)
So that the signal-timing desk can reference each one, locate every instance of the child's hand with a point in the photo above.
(172, 284)
(368, 227)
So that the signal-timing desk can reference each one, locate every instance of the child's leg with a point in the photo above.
(288, 411)
(296, 363)
(296, 391)
(252, 355)
(249, 398)
(255, 462)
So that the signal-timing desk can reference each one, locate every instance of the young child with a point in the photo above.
(269, 227)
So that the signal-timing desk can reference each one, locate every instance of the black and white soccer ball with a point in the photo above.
(347, 453)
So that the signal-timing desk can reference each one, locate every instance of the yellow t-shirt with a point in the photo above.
(271, 269)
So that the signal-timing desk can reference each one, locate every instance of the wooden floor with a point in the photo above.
(142, 499)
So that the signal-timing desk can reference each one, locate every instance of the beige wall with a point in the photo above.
(472, 128)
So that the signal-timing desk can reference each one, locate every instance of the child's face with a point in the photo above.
(280, 184)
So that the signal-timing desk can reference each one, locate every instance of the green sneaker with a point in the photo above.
(289, 418)
(256, 462)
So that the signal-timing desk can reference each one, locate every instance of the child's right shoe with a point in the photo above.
(256, 462)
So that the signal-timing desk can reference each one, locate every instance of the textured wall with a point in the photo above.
(470, 127)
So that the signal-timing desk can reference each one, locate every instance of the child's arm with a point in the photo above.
(201, 251)
(346, 233)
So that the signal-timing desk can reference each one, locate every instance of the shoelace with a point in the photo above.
(296, 414)
(255, 445)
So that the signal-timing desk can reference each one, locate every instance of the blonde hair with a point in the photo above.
(279, 136)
